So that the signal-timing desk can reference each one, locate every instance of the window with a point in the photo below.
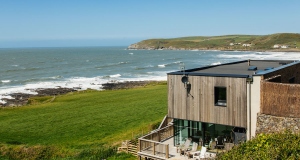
(292, 80)
(220, 96)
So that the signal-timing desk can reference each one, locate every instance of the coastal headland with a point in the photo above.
(279, 42)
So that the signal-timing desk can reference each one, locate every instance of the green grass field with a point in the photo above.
(83, 120)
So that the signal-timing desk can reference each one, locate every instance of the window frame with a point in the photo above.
(217, 99)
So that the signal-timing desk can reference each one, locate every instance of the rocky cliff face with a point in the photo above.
(140, 46)
(146, 47)
(133, 46)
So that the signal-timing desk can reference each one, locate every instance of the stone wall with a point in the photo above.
(270, 124)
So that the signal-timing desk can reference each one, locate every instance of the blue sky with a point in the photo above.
(56, 23)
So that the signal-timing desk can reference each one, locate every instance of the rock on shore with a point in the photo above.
(21, 99)
(125, 85)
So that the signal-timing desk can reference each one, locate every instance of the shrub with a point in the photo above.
(27, 152)
(122, 156)
(285, 145)
(100, 153)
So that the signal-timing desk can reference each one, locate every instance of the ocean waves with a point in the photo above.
(262, 55)
(91, 67)
(110, 65)
(5, 81)
(81, 83)
(176, 63)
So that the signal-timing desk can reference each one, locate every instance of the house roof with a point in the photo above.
(238, 69)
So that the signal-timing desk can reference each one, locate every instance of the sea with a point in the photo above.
(24, 69)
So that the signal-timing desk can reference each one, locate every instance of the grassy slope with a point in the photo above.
(222, 42)
(85, 119)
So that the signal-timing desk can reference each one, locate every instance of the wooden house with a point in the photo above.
(222, 100)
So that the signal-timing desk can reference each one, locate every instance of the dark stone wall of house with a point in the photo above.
(270, 124)
(287, 73)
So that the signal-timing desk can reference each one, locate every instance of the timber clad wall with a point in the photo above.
(198, 104)
(279, 99)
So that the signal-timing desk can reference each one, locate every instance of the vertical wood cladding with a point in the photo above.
(198, 104)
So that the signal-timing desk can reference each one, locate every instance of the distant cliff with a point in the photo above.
(273, 42)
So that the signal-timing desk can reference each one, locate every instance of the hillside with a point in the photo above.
(273, 42)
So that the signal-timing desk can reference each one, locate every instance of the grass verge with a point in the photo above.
(82, 124)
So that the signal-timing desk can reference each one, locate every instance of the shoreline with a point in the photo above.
(233, 50)
(21, 99)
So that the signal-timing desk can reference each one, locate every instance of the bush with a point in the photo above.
(26, 152)
(100, 153)
(122, 156)
(285, 145)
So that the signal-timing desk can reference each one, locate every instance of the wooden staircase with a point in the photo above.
(129, 146)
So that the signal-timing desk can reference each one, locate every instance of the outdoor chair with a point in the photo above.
(183, 148)
(220, 142)
(200, 154)
(192, 151)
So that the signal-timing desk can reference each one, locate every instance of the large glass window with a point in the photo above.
(199, 132)
(220, 96)
(184, 129)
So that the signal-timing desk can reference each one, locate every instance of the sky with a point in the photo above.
(66, 23)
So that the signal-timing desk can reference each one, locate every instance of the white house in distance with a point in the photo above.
(280, 46)
(246, 45)
(232, 44)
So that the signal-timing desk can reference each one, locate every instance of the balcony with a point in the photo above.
(156, 144)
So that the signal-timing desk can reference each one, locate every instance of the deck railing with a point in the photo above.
(151, 145)
(129, 146)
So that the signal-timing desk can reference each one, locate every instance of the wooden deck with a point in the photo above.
(173, 154)
(159, 145)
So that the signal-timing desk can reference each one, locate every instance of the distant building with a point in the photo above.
(247, 45)
(231, 44)
(280, 46)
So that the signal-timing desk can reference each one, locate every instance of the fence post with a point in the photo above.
(167, 151)
(140, 146)
(153, 148)
(158, 133)
(127, 144)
